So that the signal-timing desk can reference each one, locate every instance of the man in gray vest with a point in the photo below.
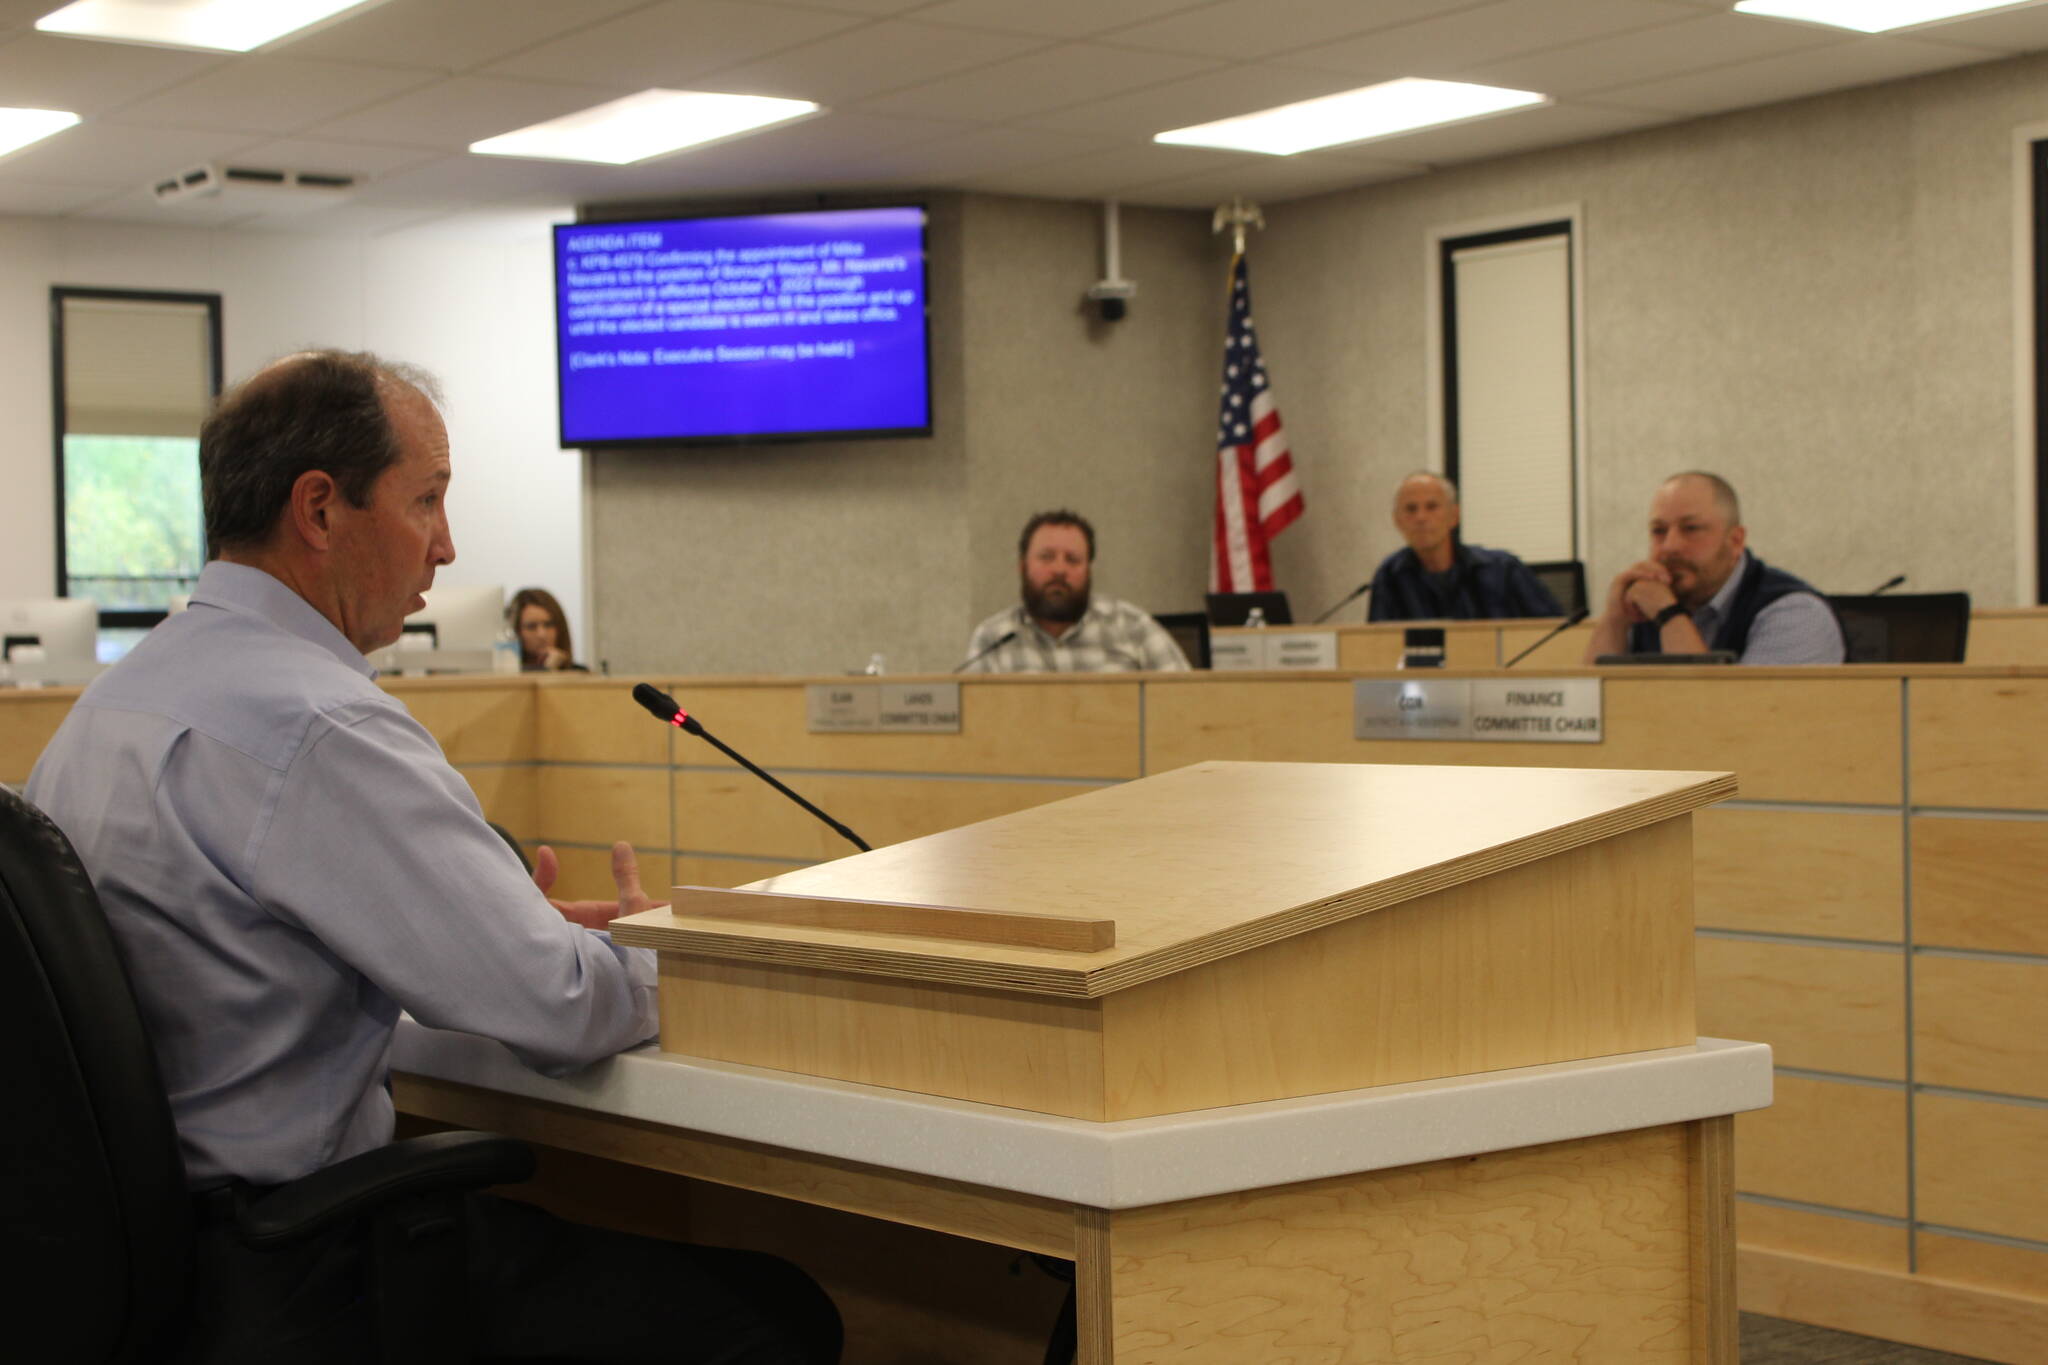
(1701, 589)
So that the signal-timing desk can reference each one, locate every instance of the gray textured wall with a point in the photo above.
(1815, 299)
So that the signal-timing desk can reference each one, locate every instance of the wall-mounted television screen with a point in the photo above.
(770, 326)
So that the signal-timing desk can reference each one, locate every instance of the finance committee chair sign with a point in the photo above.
(1522, 710)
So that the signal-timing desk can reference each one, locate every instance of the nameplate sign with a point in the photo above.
(884, 708)
(1522, 710)
(1290, 649)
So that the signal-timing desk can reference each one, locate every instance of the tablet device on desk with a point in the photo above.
(1712, 656)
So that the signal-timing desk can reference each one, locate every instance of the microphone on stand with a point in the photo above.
(1361, 590)
(990, 648)
(1549, 635)
(1888, 584)
(667, 708)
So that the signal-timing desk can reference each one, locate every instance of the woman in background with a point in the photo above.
(543, 632)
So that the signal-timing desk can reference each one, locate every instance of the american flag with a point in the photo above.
(1257, 493)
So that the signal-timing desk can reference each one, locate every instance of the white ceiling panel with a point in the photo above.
(450, 35)
(271, 95)
(38, 71)
(1253, 29)
(1667, 50)
(103, 154)
(2024, 29)
(1105, 174)
(1275, 180)
(453, 113)
(982, 149)
(870, 60)
(140, 206)
(1051, 18)
(1449, 43)
(1193, 99)
(1519, 131)
(360, 159)
(669, 43)
(37, 199)
(1073, 73)
(461, 181)
(1863, 62)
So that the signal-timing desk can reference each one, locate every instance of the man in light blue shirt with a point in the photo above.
(288, 861)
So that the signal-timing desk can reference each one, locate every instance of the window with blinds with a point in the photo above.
(136, 374)
(1510, 425)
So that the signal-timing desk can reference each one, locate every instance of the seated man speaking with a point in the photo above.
(1060, 626)
(1701, 589)
(287, 861)
(1438, 579)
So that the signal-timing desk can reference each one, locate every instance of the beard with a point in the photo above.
(1056, 601)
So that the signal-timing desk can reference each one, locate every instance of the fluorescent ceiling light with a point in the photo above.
(216, 25)
(650, 124)
(20, 127)
(1869, 16)
(1354, 116)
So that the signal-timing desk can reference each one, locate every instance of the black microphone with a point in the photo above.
(1361, 590)
(668, 709)
(1549, 635)
(980, 654)
(1888, 584)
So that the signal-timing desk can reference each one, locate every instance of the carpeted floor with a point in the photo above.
(1773, 1341)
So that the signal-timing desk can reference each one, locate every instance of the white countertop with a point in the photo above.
(1132, 1162)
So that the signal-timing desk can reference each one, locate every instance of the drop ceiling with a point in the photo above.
(1056, 98)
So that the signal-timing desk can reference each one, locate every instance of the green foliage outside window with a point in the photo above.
(132, 526)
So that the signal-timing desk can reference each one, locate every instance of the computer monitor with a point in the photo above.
(1905, 628)
(458, 616)
(66, 629)
(1190, 630)
(1231, 608)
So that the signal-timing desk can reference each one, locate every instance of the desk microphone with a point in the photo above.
(1549, 635)
(1361, 590)
(667, 708)
(1888, 584)
(993, 645)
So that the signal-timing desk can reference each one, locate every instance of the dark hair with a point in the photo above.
(1058, 517)
(1722, 490)
(545, 600)
(319, 410)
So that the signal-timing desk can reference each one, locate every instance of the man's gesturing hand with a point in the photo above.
(596, 914)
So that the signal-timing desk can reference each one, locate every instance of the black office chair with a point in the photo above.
(1566, 580)
(1905, 628)
(92, 1188)
(1190, 630)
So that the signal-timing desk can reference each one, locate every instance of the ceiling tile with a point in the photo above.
(1273, 182)
(271, 94)
(991, 149)
(867, 61)
(1194, 99)
(344, 220)
(1863, 62)
(102, 153)
(2011, 30)
(1448, 43)
(453, 113)
(365, 160)
(670, 43)
(1242, 29)
(1667, 50)
(461, 181)
(38, 71)
(1051, 18)
(1070, 74)
(37, 198)
(1519, 131)
(1097, 175)
(140, 206)
(450, 35)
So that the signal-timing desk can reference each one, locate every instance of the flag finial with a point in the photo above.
(1237, 215)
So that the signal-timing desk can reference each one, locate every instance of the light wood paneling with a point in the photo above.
(1981, 1025)
(1832, 739)
(27, 720)
(1966, 732)
(510, 795)
(1567, 650)
(580, 720)
(479, 720)
(1064, 932)
(1983, 1324)
(1378, 648)
(729, 810)
(1979, 1165)
(1026, 1051)
(1049, 727)
(1984, 1265)
(1573, 1251)
(1977, 884)
(1832, 874)
(600, 805)
(695, 870)
(1710, 1218)
(586, 873)
(2009, 635)
(1826, 1142)
(1851, 1241)
(1823, 1009)
(986, 1215)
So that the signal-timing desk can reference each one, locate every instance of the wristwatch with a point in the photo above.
(1675, 609)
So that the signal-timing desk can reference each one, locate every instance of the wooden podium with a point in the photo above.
(1238, 951)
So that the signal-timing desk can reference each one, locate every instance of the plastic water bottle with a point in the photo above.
(877, 666)
(505, 652)
(1255, 619)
